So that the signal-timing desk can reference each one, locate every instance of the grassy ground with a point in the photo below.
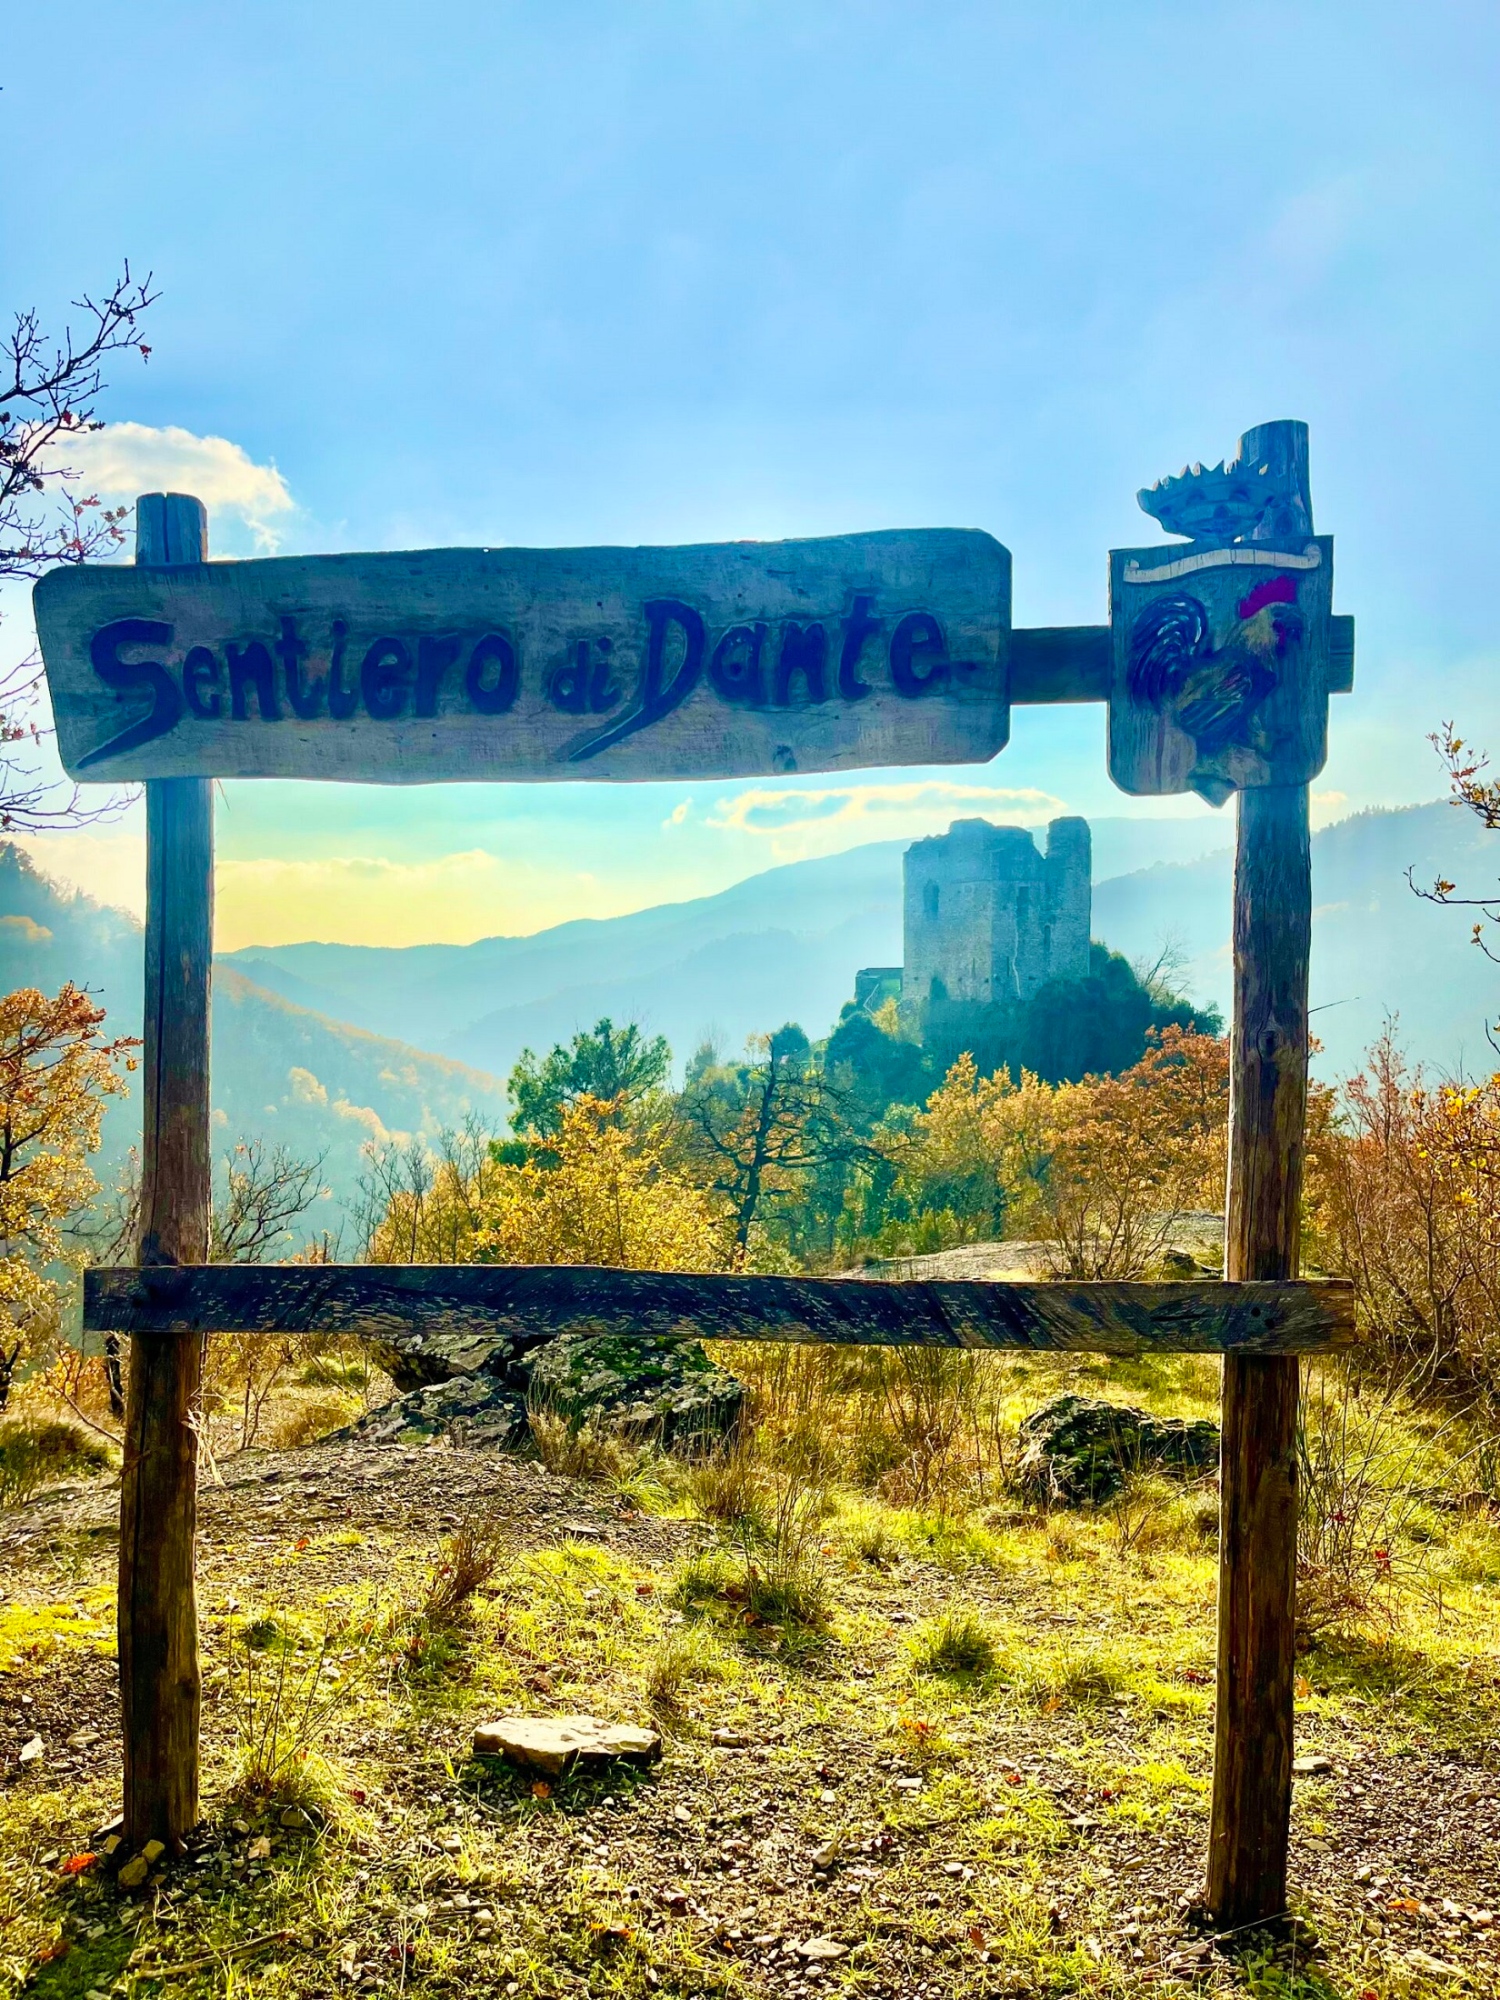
(951, 1747)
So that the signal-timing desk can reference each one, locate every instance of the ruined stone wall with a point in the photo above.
(988, 918)
(1070, 898)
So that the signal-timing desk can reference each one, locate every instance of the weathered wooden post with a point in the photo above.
(160, 1686)
(1252, 1796)
(1224, 662)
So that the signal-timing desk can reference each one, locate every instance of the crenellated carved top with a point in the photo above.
(1263, 495)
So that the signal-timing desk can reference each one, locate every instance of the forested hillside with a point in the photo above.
(786, 945)
(281, 1073)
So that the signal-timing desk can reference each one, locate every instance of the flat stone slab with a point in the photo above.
(552, 1744)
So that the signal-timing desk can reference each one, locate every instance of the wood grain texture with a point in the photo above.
(530, 1302)
(1221, 666)
(1072, 663)
(1252, 1795)
(157, 1608)
(744, 658)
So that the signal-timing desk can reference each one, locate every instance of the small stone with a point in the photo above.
(31, 1750)
(239, 1826)
(909, 1784)
(1311, 1767)
(819, 1950)
(109, 1848)
(134, 1873)
(153, 1851)
(259, 1850)
(826, 1855)
(553, 1744)
(82, 1738)
(729, 1739)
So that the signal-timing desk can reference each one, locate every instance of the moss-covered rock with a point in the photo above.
(649, 1386)
(1076, 1449)
(478, 1391)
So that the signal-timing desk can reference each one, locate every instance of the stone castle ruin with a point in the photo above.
(989, 918)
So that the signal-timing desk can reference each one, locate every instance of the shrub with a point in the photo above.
(39, 1454)
(957, 1644)
(729, 1486)
(312, 1417)
(466, 1563)
(1363, 1474)
(287, 1694)
(683, 1659)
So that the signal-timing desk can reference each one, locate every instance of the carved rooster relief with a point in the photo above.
(1212, 692)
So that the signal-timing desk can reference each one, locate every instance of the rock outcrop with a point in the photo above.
(479, 1392)
(1077, 1449)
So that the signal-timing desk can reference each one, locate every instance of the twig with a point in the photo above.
(159, 1969)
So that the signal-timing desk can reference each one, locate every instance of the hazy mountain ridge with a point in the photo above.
(325, 1046)
(786, 944)
(280, 1072)
(1379, 949)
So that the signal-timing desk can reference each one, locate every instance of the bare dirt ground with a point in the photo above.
(826, 1818)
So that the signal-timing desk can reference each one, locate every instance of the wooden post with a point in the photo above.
(1252, 1795)
(160, 1685)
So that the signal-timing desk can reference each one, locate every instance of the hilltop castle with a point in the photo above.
(988, 918)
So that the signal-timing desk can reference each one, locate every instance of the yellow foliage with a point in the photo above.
(608, 1199)
(1100, 1168)
(55, 1073)
(980, 1147)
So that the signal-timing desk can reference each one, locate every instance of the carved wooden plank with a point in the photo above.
(1221, 668)
(157, 1603)
(715, 661)
(1253, 1733)
(528, 1302)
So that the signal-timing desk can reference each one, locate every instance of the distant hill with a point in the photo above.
(1379, 950)
(322, 1046)
(782, 945)
(785, 945)
(280, 1072)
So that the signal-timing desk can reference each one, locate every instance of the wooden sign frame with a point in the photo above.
(1261, 1319)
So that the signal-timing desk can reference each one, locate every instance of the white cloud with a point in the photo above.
(1328, 807)
(124, 460)
(106, 862)
(800, 821)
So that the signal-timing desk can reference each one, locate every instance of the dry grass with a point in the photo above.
(467, 1561)
(580, 1451)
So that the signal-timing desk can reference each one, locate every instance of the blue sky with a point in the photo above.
(573, 272)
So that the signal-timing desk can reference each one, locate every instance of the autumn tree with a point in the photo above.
(1130, 1154)
(602, 1193)
(1403, 1196)
(56, 1070)
(976, 1155)
(49, 390)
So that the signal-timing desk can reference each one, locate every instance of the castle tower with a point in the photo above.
(988, 918)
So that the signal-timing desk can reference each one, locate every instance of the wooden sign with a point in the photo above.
(717, 661)
(1221, 666)
(1222, 658)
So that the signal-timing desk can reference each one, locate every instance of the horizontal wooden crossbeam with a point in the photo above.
(531, 1301)
(1066, 663)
